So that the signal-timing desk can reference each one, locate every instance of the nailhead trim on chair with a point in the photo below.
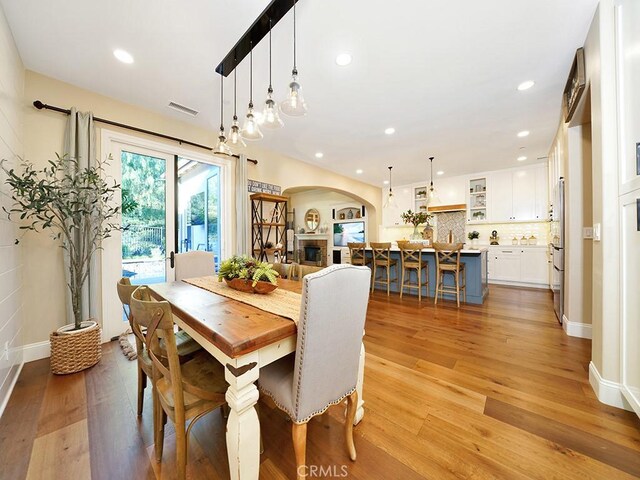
(306, 280)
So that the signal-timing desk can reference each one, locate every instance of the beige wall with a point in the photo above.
(11, 263)
(600, 57)
(44, 136)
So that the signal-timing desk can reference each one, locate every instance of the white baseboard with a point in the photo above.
(576, 329)
(4, 401)
(509, 283)
(36, 351)
(607, 391)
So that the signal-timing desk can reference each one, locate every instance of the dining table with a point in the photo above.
(243, 338)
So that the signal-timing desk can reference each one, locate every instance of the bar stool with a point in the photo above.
(357, 254)
(448, 261)
(382, 260)
(411, 255)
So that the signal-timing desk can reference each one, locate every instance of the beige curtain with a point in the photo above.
(243, 239)
(79, 144)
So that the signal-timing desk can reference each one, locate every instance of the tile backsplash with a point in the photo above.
(506, 232)
(453, 222)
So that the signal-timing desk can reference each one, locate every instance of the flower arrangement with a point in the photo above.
(473, 235)
(248, 269)
(416, 218)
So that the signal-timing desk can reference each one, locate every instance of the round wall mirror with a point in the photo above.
(312, 219)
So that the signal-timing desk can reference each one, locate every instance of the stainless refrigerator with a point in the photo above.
(557, 249)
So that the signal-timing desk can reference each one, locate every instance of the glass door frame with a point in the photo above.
(110, 257)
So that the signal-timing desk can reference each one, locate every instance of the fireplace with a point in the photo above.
(312, 249)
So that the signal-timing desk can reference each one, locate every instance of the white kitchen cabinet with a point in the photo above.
(525, 266)
(501, 196)
(404, 201)
(519, 195)
(542, 193)
(534, 265)
(506, 265)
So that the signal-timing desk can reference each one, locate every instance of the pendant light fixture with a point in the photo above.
(270, 117)
(221, 147)
(250, 129)
(294, 105)
(432, 195)
(390, 201)
(235, 138)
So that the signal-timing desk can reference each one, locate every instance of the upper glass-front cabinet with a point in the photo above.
(477, 204)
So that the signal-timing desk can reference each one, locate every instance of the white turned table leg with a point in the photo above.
(360, 409)
(243, 426)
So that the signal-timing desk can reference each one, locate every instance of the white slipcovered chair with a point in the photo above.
(196, 263)
(324, 368)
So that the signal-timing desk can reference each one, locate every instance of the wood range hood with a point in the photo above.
(458, 207)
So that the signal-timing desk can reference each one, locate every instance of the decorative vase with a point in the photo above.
(243, 285)
(415, 235)
(474, 243)
(75, 350)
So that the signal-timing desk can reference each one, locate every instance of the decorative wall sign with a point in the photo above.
(260, 187)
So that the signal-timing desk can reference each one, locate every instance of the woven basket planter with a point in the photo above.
(73, 351)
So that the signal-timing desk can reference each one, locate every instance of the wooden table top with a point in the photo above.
(234, 327)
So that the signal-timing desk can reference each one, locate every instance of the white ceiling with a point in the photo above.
(444, 74)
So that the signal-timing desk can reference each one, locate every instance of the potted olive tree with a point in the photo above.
(76, 206)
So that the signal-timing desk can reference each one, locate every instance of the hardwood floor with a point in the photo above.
(485, 391)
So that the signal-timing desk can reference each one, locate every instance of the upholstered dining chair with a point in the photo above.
(195, 263)
(186, 345)
(448, 261)
(323, 370)
(184, 391)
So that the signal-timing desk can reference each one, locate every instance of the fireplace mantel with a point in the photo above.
(312, 236)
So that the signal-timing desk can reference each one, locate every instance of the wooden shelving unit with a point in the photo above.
(268, 224)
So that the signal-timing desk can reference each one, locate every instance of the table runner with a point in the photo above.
(279, 302)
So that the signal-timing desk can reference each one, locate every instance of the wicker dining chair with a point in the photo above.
(323, 370)
(186, 345)
(183, 391)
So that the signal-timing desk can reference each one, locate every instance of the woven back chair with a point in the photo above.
(448, 261)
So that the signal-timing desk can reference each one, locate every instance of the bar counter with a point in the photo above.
(475, 261)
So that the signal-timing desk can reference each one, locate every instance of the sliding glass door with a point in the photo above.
(173, 201)
(199, 225)
(147, 215)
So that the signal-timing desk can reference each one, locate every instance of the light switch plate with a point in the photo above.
(596, 232)
(587, 233)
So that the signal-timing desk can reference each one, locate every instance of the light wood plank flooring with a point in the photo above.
(491, 391)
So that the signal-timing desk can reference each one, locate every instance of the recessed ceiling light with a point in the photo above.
(123, 56)
(319, 155)
(343, 59)
(522, 158)
(359, 171)
(439, 172)
(390, 131)
(524, 133)
(386, 182)
(526, 85)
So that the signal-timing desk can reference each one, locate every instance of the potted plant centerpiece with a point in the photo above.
(76, 206)
(416, 219)
(247, 274)
(474, 236)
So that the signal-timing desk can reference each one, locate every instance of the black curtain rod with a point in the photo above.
(39, 105)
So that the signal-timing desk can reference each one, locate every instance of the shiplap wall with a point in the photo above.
(11, 138)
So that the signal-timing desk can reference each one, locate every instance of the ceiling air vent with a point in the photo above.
(183, 109)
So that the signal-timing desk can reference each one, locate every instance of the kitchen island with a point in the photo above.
(475, 261)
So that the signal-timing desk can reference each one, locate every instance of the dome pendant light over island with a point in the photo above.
(294, 105)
